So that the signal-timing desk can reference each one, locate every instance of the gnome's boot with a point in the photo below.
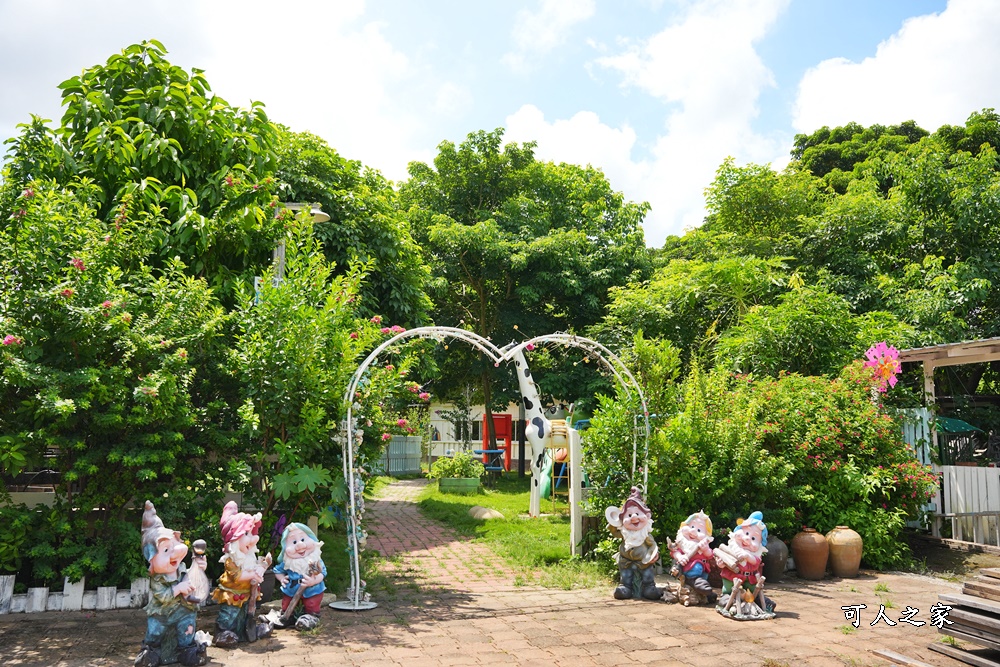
(624, 590)
(307, 622)
(193, 655)
(149, 656)
(649, 589)
(701, 585)
(226, 639)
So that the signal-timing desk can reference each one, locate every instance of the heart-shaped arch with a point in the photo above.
(499, 355)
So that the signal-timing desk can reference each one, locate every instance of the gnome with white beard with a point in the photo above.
(638, 554)
(238, 589)
(300, 571)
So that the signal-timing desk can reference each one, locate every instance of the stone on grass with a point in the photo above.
(478, 512)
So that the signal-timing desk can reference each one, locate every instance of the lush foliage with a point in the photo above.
(804, 450)
(462, 464)
(517, 246)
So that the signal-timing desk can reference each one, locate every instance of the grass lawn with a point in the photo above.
(537, 549)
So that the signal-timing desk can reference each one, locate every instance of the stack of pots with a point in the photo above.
(810, 551)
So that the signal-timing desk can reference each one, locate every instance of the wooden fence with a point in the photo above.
(969, 501)
(73, 597)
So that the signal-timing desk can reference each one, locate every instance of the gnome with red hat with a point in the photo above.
(638, 553)
(237, 592)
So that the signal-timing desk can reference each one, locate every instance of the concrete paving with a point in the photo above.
(453, 602)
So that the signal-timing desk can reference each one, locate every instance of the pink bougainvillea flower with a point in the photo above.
(385, 330)
(424, 396)
(400, 422)
(395, 328)
(413, 388)
(390, 367)
(354, 335)
(386, 436)
(376, 320)
(182, 353)
(884, 361)
(28, 193)
(11, 339)
(68, 292)
(529, 347)
(77, 263)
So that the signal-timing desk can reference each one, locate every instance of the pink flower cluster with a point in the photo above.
(11, 339)
(77, 263)
(884, 361)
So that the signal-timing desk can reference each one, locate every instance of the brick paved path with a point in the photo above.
(439, 607)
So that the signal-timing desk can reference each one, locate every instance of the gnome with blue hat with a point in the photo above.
(300, 571)
(741, 563)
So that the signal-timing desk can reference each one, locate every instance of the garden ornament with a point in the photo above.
(172, 610)
(638, 553)
(238, 589)
(541, 431)
(692, 560)
(740, 562)
(301, 572)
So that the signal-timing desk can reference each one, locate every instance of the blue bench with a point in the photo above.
(494, 458)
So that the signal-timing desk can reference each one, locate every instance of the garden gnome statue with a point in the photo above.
(740, 562)
(638, 553)
(692, 560)
(301, 572)
(172, 609)
(238, 589)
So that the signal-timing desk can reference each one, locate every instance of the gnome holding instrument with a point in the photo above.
(238, 589)
(638, 553)
(174, 597)
(741, 563)
(301, 572)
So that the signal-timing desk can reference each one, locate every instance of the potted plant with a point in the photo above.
(458, 474)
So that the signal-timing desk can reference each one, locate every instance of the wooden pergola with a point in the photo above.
(950, 354)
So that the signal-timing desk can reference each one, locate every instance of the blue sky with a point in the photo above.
(656, 93)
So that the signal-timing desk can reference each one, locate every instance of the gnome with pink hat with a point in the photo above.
(238, 589)
(638, 553)
(174, 597)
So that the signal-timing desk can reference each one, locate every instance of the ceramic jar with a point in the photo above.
(810, 551)
(775, 559)
(845, 551)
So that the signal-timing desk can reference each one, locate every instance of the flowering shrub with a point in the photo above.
(805, 450)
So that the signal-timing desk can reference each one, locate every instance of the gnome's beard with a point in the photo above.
(635, 538)
(301, 565)
(244, 561)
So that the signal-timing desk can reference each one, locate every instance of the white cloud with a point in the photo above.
(539, 32)
(936, 70)
(336, 76)
(705, 70)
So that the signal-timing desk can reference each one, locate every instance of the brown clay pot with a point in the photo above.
(810, 551)
(775, 559)
(845, 551)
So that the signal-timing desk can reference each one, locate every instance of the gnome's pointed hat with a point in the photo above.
(234, 524)
(635, 500)
(153, 531)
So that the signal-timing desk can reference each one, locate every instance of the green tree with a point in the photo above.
(366, 224)
(514, 242)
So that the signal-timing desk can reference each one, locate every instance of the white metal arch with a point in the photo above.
(353, 437)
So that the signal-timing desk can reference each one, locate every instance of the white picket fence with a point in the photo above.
(969, 498)
(73, 597)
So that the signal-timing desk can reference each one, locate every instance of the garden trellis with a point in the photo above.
(351, 437)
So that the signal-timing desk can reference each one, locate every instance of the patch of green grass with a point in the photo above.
(847, 629)
(771, 662)
(853, 589)
(948, 639)
(882, 588)
(539, 546)
(887, 601)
